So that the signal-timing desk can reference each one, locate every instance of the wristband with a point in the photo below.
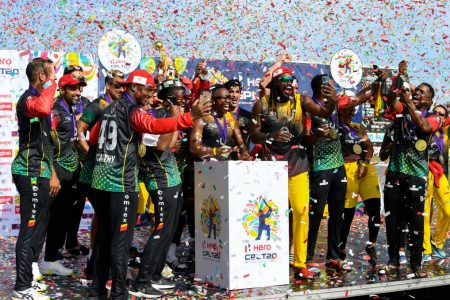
(47, 84)
(363, 163)
(214, 151)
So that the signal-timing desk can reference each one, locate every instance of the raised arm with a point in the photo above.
(264, 91)
(41, 106)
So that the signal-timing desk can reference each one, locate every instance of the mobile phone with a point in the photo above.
(205, 96)
(325, 80)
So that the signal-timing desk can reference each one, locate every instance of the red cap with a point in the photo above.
(68, 79)
(343, 102)
(140, 77)
(280, 71)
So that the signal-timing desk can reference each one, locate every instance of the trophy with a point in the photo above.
(159, 46)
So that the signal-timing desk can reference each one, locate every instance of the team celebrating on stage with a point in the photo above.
(132, 150)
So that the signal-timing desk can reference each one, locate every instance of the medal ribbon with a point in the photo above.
(129, 97)
(439, 139)
(66, 108)
(222, 130)
(107, 98)
(333, 115)
(353, 132)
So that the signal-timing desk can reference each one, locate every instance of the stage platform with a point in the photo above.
(361, 280)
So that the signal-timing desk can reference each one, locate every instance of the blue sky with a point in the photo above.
(379, 31)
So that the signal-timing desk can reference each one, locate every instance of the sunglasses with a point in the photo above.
(117, 86)
(176, 99)
(72, 68)
(222, 97)
(441, 114)
(75, 87)
(286, 79)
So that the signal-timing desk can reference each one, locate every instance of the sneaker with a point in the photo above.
(37, 276)
(313, 264)
(93, 294)
(440, 253)
(335, 264)
(177, 266)
(39, 286)
(55, 268)
(145, 292)
(304, 273)
(79, 250)
(420, 273)
(391, 268)
(426, 258)
(403, 260)
(162, 284)
(28, 294)
(372, 253)
(342, 254)
(108, 285)
(86, 278)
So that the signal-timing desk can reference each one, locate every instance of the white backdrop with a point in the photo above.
(13, 82)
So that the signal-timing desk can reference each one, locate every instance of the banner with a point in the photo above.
(13, 82)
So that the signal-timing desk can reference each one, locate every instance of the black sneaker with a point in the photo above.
(419, 272)
(372, 253)
(162, 284)
(77, 251)
(342, 254)
(146, 292)
(177, 266)
(93, 295)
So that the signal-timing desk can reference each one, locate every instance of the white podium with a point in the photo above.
(242, 223)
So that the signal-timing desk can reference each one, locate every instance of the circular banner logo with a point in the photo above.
(261, 219)
(346, 68)
(119, 50)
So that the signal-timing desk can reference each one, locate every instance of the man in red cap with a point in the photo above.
(278, 125)
(66, 166)
(114, 177)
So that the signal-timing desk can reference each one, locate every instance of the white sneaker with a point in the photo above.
(55, 268)
(167, 272)
(403, 260)
(29, 294)
(38, 286)
(37, 276)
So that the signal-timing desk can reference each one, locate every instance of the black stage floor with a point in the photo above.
(361, 280)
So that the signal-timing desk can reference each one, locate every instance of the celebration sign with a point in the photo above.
(119, 50)
(346, 68)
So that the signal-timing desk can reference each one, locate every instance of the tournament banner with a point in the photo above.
(13, 82)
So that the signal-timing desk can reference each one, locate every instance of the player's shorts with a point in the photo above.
(366, 187)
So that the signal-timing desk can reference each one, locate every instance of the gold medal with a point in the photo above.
(357, 149)
(53, 135)
(421, 145)
(333, 133)
(142, 149)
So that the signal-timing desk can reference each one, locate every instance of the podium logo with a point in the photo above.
(211, 217)
(261, 219)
